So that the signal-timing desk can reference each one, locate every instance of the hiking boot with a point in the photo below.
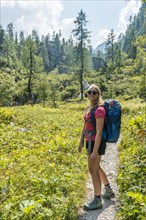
(108, 193)
(95, 203)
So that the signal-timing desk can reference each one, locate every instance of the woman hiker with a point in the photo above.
(95, 146)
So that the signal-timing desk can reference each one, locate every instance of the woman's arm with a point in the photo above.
(81, 144)
(99, 128)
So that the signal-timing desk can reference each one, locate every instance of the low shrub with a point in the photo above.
(42, 174)
(131, 178)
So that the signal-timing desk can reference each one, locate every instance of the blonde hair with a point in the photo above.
(99, 100)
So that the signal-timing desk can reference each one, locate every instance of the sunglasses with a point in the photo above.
(92, 92)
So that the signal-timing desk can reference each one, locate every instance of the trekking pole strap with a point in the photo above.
(90, 133)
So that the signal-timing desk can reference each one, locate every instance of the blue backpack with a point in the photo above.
(112, 124)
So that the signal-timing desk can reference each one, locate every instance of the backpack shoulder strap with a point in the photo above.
(93, 120)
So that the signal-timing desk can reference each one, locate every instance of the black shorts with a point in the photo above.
(101, 149)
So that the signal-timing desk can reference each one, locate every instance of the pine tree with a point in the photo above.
(82, 36)
(69, 53)
(110, 47)
(2, 38)
(30, 62)
(10, 45)
(43, 53)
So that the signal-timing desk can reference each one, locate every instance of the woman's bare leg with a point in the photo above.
(103, 176)
(93, 165)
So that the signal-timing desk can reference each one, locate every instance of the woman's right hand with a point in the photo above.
(80, 148)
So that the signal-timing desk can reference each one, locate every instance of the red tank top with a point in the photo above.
(99, 113)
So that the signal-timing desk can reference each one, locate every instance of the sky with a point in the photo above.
(45, 16)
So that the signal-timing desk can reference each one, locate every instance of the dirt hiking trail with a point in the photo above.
(110, 164)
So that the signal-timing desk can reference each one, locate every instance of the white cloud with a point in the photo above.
(99, 37)
(28, 5)
(8, 3)
(42, 16)
(67, 25)
(35, 24)
(131, 8)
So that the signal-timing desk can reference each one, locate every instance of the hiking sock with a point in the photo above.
(108, 186)
(99, 197)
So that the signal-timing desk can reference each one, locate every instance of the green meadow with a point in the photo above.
(132, 162)
(42, 174)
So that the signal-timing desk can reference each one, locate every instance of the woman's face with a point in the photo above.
(92, 94)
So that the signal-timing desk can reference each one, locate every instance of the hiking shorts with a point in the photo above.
(101, 149)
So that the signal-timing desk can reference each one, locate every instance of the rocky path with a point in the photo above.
(110, 164)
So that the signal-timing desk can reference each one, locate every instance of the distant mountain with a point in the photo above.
(101, 47)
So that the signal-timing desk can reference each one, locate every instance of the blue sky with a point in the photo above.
(44, 16)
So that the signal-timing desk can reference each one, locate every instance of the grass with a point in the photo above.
(42, 174)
